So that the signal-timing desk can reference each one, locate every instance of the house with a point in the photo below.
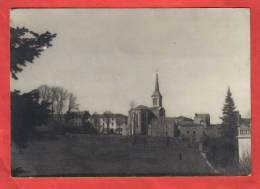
(202, 119)
(191, 131)
(244, 139)
(109, 123)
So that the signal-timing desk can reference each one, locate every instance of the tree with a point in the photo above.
(25, 46)
(26, 110)
(72, 104)
(60, 95)
(60, 100)
(26, 114)
(229, 118)
(45, 93)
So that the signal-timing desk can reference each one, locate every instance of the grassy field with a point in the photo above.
(85, 155)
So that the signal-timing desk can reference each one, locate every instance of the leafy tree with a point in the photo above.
(25, 46)
(60, 99)
(72, 103)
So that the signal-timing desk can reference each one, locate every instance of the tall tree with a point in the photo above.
(72, 103)
(61, 97)
(26, 110)
(26, 45)
(229, 118)
(229, 144)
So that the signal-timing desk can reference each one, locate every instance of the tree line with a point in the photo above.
(59, 99)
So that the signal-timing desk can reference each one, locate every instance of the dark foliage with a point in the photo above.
(25, 46)
(223, 151)
(219, 150)
(229, 118)
(26, 111)
(230, 122)
(26, 114)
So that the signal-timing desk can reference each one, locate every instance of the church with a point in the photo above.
(151, 121)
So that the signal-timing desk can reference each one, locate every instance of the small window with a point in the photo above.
(155, 101)
(188, 132)
(194, 132)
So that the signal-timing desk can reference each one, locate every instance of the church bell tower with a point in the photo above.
(157, 97)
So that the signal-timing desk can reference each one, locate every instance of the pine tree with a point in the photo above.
(229, 118)
(229, 145)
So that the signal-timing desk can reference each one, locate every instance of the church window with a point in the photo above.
(154, 101)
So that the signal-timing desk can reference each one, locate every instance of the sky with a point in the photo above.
(109, 57)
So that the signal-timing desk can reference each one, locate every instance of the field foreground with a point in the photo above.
(85, 155)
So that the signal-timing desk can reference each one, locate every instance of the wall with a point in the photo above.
(244, 142)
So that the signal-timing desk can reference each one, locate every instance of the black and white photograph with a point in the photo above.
(130, 92)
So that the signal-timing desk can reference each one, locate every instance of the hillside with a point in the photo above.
(84, 155)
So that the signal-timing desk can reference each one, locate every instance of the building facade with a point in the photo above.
(244, 139)
(151, 121)
(202, 119)
(109, 123)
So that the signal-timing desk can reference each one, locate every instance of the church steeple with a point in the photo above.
(157, 83)
(157, 97)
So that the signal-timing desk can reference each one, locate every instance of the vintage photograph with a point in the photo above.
(130, 92)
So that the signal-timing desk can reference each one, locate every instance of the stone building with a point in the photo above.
(189, 129)
(151, 121)
(109, 123)
(202, 119)
(244, 139)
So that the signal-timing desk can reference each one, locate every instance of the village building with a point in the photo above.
(151, 121)
(109, 123)
(244, 139)
(190, 131)
(202, 119)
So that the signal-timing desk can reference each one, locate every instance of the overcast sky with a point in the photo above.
(109, 57)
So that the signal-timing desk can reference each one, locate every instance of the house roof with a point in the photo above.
(108, 115)
(188, 124)
(183, 118)
(202, 115)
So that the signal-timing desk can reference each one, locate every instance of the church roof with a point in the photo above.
(156, 108)
(141, 107)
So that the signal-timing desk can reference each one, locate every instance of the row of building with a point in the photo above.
(152, 121)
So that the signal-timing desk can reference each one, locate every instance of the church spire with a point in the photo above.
(157, 97)
(157, 83)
